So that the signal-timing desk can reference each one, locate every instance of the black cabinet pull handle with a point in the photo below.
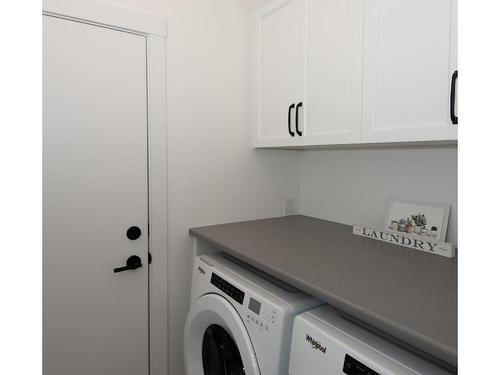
(297, 119)
(133, 263)
(292, 106)
(454, 118)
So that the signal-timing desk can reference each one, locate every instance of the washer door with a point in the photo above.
(216, 341)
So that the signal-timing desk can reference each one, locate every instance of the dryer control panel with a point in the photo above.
(354, 367)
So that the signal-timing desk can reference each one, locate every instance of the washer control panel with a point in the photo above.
(262, 316)
(232, 291)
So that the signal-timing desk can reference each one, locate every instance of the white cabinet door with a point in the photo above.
(279, 26)
(333, 85)
(409, 59)
(94, 188)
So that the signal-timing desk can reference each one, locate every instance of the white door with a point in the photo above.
(333, 85)
(409, 60)
(94, 190)
(278, 71)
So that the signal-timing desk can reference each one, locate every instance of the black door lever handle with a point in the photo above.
(133, 263)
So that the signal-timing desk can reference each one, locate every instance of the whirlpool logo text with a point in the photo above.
(315, 344)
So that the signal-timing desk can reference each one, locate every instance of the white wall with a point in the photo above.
(214, 174)
(351, 186)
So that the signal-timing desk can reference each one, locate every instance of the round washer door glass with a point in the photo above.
(216, 341)
(220, 353)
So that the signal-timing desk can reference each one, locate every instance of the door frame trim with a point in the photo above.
(154, 29)
(157, 161)
(108, 15)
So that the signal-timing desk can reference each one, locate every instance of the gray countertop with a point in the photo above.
(405, 293)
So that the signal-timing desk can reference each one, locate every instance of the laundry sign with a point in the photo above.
(406, 239)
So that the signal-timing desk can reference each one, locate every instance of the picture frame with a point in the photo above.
(422, 219)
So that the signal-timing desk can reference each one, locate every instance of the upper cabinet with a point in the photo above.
(279, 66)
(410, 55)
(332, 85)
(331, 72)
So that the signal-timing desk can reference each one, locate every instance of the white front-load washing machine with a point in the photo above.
(240, 320)
(325, 343)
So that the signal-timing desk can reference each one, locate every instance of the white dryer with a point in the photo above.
(240, 320)
(325, 343)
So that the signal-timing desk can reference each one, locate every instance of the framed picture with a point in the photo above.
(426, 220)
